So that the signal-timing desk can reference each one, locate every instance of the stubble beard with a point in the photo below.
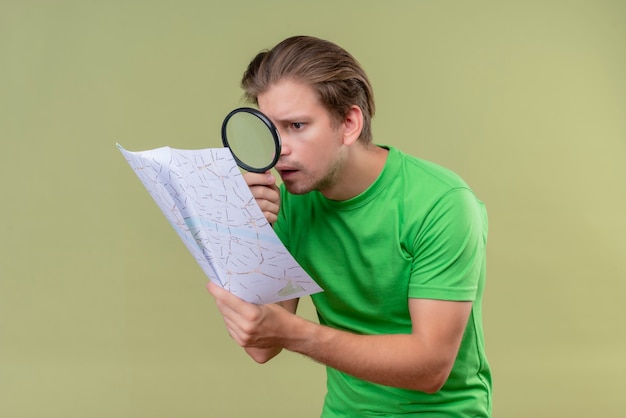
(325, 183)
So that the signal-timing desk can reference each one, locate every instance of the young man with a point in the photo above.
(397, 243)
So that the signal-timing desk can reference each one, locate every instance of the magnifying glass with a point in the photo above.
(252, 138)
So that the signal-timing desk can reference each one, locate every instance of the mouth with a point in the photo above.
(286, 171)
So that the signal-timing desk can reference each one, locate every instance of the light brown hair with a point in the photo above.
(331, 71)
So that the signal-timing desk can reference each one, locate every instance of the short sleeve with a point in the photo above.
(449, 251)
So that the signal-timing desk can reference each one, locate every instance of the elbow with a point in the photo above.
(434, 385)
(439, 378)
(261, 360)
(262, 356)
(439, 372)
(433, 382)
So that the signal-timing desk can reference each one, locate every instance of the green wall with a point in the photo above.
(103, 312)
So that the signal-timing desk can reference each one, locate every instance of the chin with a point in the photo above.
(294, 188)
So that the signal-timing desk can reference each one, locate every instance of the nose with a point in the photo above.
(285, 148)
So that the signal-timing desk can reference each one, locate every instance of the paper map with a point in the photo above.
(205, 198)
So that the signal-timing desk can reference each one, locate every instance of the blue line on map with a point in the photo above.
(249, 233)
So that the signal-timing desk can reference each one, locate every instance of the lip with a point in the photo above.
(282, 167)
(286, 171)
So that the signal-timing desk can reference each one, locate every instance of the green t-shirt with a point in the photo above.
(417, 232)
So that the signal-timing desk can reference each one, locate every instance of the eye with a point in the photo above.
(297, 125)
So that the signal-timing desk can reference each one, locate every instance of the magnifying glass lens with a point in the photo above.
(252, 138)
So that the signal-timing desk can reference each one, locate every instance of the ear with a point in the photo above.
(352, 125)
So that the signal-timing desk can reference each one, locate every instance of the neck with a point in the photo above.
(362, 166)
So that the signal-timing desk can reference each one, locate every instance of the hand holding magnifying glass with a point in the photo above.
(252, 138)
(255, 145)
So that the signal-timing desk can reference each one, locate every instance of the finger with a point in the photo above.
(231, 306)
(269, 209)
(264, 192)
(215, 290)
(262, 179)
(222, 299)
(222, 296)
(271, 218)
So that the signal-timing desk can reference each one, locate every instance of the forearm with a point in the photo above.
(421, 360)
(402, 360)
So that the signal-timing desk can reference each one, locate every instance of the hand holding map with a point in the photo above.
(205, 198)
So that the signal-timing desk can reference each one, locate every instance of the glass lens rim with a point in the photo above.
(270, 126)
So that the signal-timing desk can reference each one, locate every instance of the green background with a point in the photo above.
(103, 312)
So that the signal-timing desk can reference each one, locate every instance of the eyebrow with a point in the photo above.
(291, 119)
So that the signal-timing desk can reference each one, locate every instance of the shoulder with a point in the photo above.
(430, 196)
(431, 173)
(424, 183)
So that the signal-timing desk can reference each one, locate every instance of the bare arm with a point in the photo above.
(421, 360)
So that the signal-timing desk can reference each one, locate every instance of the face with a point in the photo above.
(313, 151)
